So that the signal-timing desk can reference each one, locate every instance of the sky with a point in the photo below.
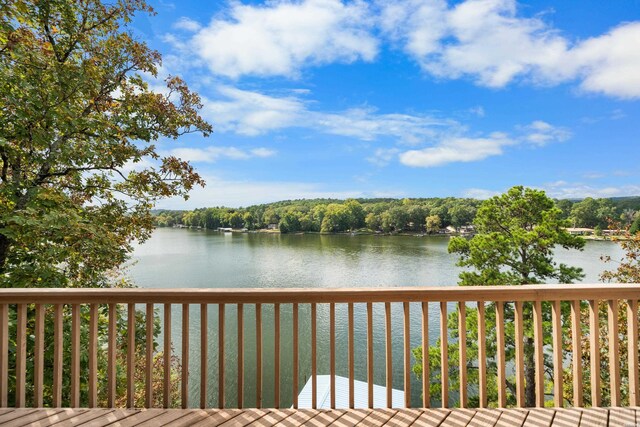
(404, 98)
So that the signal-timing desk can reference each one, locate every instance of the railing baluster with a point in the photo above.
(204, 353)
(148, 378)
(632, 330)
(614, 357)
(370, 354)
(350, 356)
(314, 360)
(502, 390)
(75, 356)
(444, 355)
(482, 355)
(407, 356)
(389, 361)
(594, 349)
(276, 349)
(221, 401)
(166, 395)
(557, 354)
(21, 355)
(58, 338)
(184, 391)
(519, 337)
(111, 356)
(576, 353)
(131, 353)
(426, 395)
(4, 354)
(332, 354)
(538, 352)
(93, 355)
(111, 368)
(38, 362)
(295, 356)
(258, 355)
(462, 347)
(240, 390)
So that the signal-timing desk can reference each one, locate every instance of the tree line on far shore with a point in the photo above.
(388, 215)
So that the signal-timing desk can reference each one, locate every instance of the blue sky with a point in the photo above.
(407, 98)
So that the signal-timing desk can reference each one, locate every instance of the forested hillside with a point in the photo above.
(386, 215)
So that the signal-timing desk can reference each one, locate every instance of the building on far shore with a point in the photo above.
(581, 231)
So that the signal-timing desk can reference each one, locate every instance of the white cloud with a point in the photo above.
(282, 37)
(251, 113)
(254, 113)
(214, 153)
(187, 24)
(610, 64)
(577, 190)
(368, 125)
(221, 192)
(490, 42)
(382, 156)
(479, 193)
(456, 150)
(541, 133)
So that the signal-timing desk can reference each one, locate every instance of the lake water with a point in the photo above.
(179, 258)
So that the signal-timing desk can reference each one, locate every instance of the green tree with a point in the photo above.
(516, 236)
(517, 233)
(289, 223)
(373, 221)
(356, 214)
(593, 212)
(433, 224)
(336, 219)
(635, 226)
(462, 214)
(78, 127)
(78, 124)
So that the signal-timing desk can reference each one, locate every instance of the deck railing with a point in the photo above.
(20, 305)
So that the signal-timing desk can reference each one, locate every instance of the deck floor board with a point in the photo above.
(534, 417)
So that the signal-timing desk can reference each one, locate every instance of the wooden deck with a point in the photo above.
(623, 417)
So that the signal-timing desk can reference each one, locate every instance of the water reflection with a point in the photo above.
(191, 258)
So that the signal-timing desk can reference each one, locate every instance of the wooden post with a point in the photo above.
(594, 349)
(538, 352)
(38, 362)
(131, 353)
(557, 354)
(389, 360)
(204, 354)
(502, 389)
(614, 352)
(21, 356)
(632, 330)
(444, 355)
(426, 383)
(148, 377)
(576, 354)
(462, 351)
(519, 337)
(370, 354)
(482, 355)
(240, 390)
(184, 384)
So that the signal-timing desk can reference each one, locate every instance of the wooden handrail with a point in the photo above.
(325, 295)
(508, 302)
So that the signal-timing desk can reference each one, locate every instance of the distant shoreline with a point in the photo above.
(612, 239)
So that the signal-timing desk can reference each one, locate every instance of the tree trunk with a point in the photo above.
(5, 243)
(529, 373)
